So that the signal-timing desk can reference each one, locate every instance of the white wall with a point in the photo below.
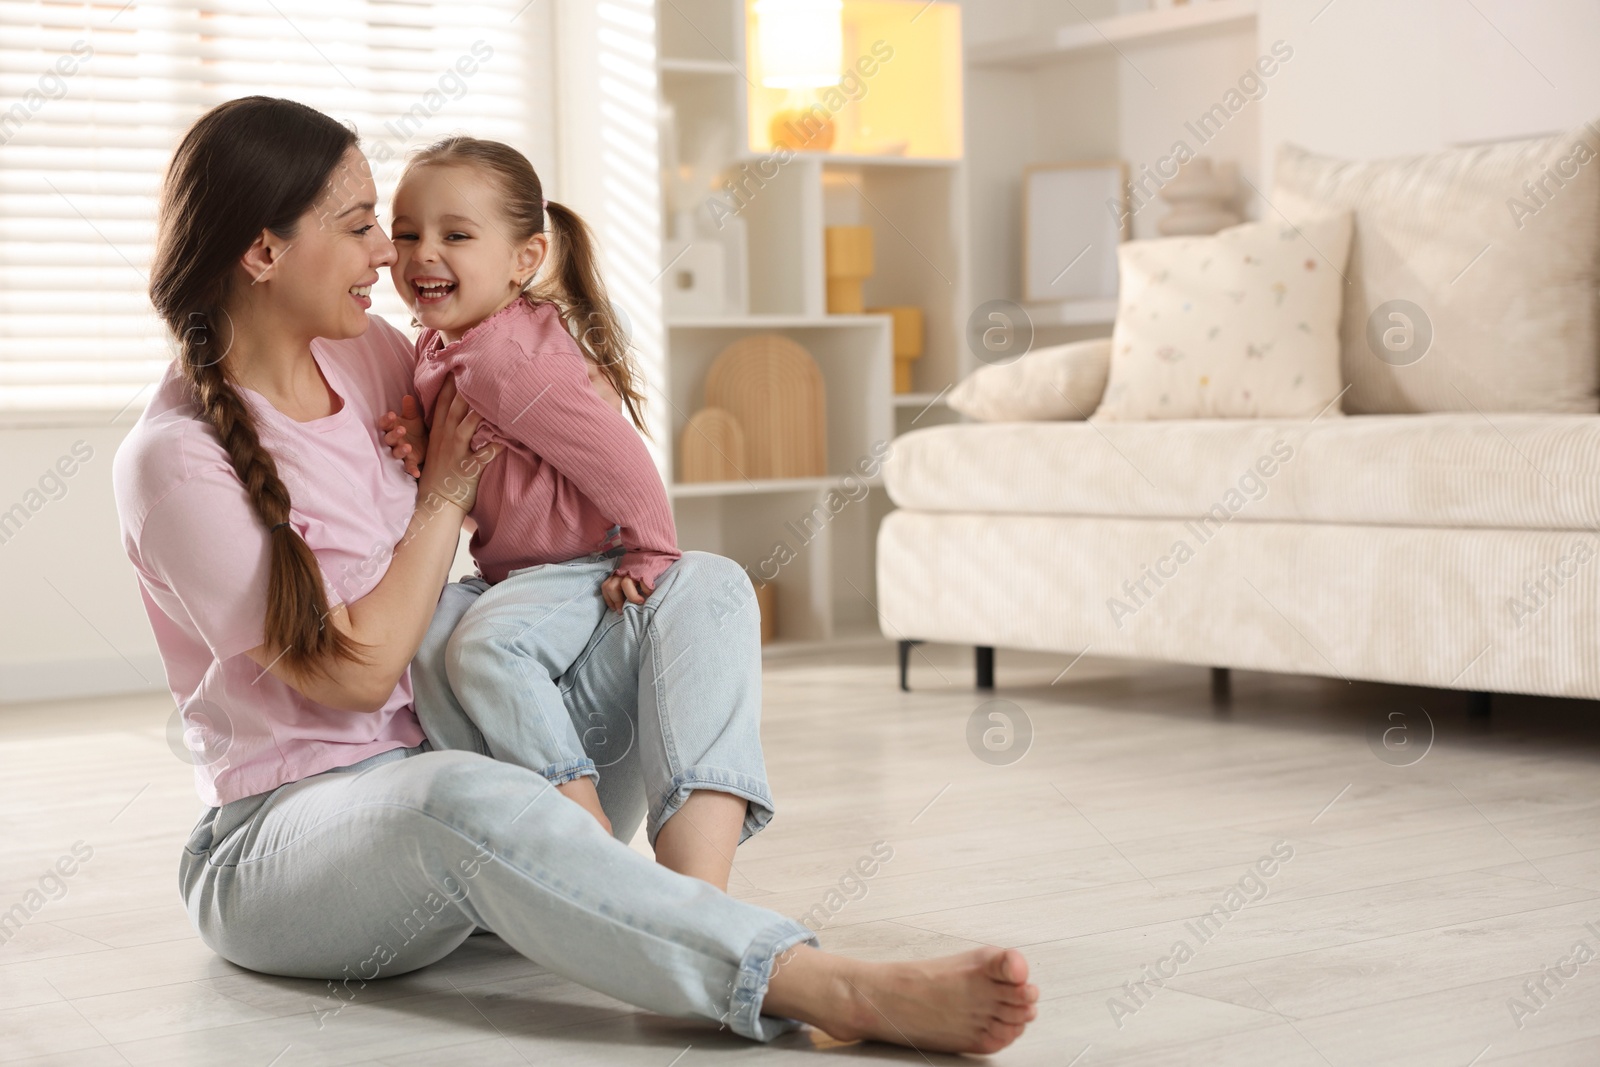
(72, 620)
(1016, 117)
(1375, 78)
(1166, 88)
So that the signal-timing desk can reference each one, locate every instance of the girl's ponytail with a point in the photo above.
(577, 276)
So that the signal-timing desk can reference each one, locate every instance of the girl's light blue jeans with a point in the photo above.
(506, 670)
(376, 869)
(499, 651)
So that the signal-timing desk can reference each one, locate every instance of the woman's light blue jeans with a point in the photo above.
(385, 866)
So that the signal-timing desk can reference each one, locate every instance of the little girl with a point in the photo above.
(571, 516)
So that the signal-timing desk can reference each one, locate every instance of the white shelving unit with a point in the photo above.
(815, 538)
(919, 400)
(697, 66)
(1094, 35)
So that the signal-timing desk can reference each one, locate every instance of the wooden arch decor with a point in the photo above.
(773, 388)
(712, 448)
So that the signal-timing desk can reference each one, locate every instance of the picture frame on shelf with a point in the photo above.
(1074, 214)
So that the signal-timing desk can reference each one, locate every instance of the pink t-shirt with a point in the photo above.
(202, 556)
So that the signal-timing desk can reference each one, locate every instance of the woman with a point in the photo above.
(290, 569)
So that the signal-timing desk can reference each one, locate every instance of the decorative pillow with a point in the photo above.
(1242, 324)
(1059, 382)
(1473, 273)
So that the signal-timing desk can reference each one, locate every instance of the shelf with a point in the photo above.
(1144, 27)
(919, 400)
(689, 490)
(847, 160)
(699, 32)
(1073, 313)
(696, 66)
(777, 322)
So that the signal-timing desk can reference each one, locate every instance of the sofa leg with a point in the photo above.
(1478, 705)
(985, 664)
(1221, 686)
(905, 665)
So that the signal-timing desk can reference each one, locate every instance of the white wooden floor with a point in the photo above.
(1418, 900)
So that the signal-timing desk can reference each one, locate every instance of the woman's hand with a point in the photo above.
(389, 621)
(406, 435)
(452, 469)
(619, 588)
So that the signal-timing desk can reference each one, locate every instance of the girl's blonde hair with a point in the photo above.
(574, 286)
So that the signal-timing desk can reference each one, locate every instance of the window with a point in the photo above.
(94, 97)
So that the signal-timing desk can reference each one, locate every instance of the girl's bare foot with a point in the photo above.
(978, 1001)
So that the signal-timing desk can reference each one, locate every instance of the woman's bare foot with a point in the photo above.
(582, 790)
(978, 1001)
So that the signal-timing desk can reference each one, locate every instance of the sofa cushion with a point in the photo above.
(1520, 471)
(1058, 382)
(1243, 324)
(1494, 250)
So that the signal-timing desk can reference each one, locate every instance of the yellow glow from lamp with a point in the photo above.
(801, 42)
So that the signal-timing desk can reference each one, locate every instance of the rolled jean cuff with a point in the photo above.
(755, 972)
(567, 770)
(757, 814)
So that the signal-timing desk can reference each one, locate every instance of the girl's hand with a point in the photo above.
(406, 435)
(619, 588)
(452, 469)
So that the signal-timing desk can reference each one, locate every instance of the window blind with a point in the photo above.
(94, 97)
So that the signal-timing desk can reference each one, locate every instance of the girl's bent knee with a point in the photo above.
(711, 578)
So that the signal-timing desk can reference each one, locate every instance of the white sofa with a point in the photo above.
(1445, 548)
(1437, 550)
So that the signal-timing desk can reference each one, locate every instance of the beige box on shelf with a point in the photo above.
(907, 331)
(848, 251)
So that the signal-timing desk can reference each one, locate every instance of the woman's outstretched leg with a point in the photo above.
(385, 867)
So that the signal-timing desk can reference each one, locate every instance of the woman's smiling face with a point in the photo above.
(456, 263)
(325, 273)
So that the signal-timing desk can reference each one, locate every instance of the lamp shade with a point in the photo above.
(801, 42)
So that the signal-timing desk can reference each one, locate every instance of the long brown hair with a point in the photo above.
(574, 286)
(248, 165)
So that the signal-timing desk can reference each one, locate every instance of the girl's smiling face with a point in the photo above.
(457, 263)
